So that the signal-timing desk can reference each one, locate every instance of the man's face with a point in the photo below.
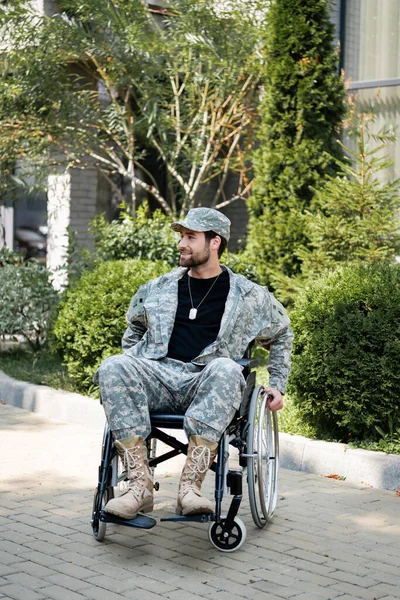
(194, 248)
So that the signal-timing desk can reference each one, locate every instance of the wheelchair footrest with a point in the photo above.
(140, 521)
(200, 518)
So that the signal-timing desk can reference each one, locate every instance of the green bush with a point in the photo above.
(345, 377)
(91, 320)
(8, 257)
(27, 302)
(239, 264)
(143, 236)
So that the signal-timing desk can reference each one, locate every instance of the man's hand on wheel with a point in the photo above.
(274, 400)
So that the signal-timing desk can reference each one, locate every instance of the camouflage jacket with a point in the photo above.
(251, 313)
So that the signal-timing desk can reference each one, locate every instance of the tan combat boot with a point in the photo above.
(139, 494)
(200, 456)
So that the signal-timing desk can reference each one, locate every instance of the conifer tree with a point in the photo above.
(355, 217)
(301, 113)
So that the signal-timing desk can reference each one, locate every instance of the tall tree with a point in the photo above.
(301, 112)
(104, 82)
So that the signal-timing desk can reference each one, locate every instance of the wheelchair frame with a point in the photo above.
(253, 431)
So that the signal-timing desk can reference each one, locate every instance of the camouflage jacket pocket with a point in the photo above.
(153, 320)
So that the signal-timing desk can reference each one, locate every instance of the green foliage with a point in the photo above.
(239, 264)
(27, 303)
(389, 443)
(91, 320)
(355, 214)
(290, 420)
(144, 236)
(345, 377)
(301, 113)
(40, 368)
(8, 257)
(113, 82)
(79, 259)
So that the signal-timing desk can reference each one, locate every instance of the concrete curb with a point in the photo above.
(297, 453)
(55, 404)
(374, 469)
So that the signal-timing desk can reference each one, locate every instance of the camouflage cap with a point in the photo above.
(205, 219)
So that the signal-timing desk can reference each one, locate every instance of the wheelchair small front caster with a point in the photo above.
(99, 527)
(227, 539)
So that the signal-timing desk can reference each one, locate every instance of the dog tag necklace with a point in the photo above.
(193, 310)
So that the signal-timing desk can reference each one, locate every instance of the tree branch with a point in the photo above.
(240, 196)
(111, 182)
(155, 193)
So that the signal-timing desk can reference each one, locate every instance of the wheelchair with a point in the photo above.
(254, 434)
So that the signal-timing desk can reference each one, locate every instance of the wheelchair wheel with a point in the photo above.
(227, 540)
(262, 459)
(99, 527)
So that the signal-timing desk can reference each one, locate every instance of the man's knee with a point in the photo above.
(119, 363)
(224, 368)
(118, 369)
(110, 363)
(110, 367)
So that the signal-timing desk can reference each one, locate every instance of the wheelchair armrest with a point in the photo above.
(247, 363)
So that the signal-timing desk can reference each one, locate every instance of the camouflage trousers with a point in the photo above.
(132, 387)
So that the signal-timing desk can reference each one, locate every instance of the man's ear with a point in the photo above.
(215, 242)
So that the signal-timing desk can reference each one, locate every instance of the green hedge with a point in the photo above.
(145, 236)
(27, 302)
(91, 320)
(345, 376)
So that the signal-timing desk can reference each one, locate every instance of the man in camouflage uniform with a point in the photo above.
(185, 331)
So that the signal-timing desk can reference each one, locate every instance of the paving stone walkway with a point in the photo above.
(329, 539)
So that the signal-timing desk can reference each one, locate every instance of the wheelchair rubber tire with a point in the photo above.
(99, 527)
(227, 541)
(263, 464)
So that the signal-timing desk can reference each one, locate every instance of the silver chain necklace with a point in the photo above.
(193, 310)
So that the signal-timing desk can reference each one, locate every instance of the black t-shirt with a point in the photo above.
(189, 337)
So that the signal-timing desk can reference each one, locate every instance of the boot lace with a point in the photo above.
(201, 458)
(130, 460)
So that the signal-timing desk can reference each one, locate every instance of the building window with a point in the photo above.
(372, 40)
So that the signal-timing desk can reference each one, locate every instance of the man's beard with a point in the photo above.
(194, 259)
